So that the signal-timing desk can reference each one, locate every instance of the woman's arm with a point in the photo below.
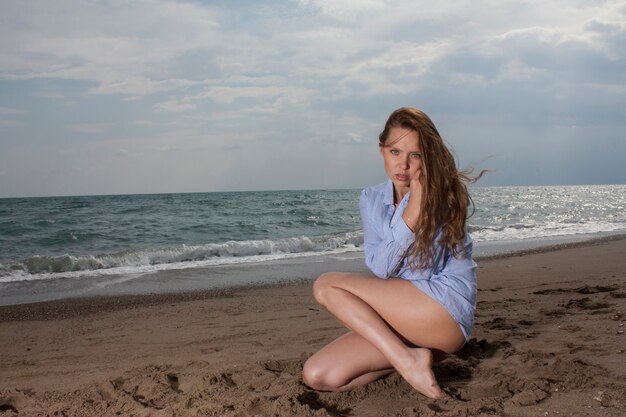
(383, 253)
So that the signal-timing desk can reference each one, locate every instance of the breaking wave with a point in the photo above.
(182, 257)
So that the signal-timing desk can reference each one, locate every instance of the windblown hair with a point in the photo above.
(445, 198)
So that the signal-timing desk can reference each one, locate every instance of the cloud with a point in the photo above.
(345, 9)
(117, 46)
(146, 47)
(89, 128)
(275, 84)
(174, 106)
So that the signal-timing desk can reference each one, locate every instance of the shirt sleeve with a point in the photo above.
(383, 253)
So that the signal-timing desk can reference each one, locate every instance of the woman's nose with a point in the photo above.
(404, 163)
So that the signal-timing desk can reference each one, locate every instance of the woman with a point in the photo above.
(415, 240)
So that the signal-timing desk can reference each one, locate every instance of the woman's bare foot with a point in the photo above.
(417, 369)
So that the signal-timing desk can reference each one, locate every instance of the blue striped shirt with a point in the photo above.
(451, 281)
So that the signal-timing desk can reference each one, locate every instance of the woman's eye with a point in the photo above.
(394, 152)
(416, 155)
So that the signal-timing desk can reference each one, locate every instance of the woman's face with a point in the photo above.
(402, 156)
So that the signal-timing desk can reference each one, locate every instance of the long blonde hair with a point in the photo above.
(445, 198)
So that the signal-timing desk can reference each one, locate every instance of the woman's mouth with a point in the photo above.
(402, 177)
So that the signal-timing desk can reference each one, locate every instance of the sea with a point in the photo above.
(76, 242)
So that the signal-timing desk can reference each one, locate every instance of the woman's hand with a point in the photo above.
(412, 211)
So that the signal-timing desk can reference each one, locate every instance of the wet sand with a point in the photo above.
(548, 341)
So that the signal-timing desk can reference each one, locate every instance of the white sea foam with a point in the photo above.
(521, 231)
(184, 257)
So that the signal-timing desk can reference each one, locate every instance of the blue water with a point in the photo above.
(57, 237)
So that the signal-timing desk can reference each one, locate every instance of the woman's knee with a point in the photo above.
(313, 375)
(322, 285)
(319, 378)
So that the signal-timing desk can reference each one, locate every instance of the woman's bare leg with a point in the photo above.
(346, 363)
(378, 310)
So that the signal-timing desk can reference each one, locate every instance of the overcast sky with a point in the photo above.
(108, 97)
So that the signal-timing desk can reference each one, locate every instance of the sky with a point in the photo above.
(150, 96)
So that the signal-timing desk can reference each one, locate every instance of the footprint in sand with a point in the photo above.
(173, 382)
(553, 313)
(274, 366)
(499, 323)
(313, 401)
(531, 396)
(224, 380)
(482, 349)
(594, 290)
(580, 290)
(587, 304)
(292, 367)
(118, 383)
(7, 406)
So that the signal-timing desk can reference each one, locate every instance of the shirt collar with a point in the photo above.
(388, 194)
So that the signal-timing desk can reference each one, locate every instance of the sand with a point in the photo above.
(548, 341)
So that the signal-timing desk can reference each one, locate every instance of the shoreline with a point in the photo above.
(551, 247)
(72, 306)
(548, 340)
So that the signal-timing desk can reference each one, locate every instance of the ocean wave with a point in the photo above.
(138, 261)
(520, 231)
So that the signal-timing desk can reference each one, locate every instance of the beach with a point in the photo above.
(548, 341)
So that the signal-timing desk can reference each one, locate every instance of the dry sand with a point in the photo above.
(548, 341)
